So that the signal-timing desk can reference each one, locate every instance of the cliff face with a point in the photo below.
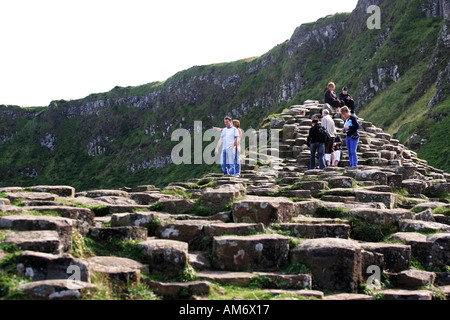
(123, 136)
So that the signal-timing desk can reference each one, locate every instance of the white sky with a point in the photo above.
(66, 49)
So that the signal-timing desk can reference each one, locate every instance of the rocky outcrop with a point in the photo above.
(285, 229)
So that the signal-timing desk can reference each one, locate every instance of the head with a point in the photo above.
(331, 86)
(228, 122)
(345, 90)
(326, 113)
(315, 120)
(236, 124)
(345, 111)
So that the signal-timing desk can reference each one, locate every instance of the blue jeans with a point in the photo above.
(352, 145)
(237, 164)
(227, 168)
(317, 148)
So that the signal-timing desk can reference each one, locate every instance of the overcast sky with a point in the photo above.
(66, 49)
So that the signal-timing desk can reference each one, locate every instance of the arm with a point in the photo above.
(218, 129)
(219, 145)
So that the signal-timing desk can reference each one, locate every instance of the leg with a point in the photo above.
(321, 149)
(312, 162)
(352, 146)
(224, 162)
(351, 105)
(349, 148)
(238, 164)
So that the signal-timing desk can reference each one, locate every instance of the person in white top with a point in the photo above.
(329, 125)
(230, 140)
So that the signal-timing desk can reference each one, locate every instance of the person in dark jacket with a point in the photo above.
(332, 99)
(348, 100)
(316, 146)
(351, 127)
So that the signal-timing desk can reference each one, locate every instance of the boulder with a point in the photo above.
(267, 252)
(266, 210)
(107, 193)
(349, 297)
(62, 226)
(56, 289)
(389, 199)
(335, 264)
(314, 231)
(178, 290)
(340, 182)
(381, 216)
(412, 279)
(75, 213)
(166, 257)
(106, 234)
(199, 260)
(414, 186)
(242, 279)
(10, 209)
(221, 196)
(289, 131)
(117, 269)
(177, 205)
(241, 229)
(379, 177)
(139, 219)
(44, 266)
(397, 257)
(31, 196)
(183, 230)
(440, 250)
(408, 225)
(420, 247)
(42, 241)
(401, 295)
(62, 191)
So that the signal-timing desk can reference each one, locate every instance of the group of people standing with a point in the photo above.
(323, 139)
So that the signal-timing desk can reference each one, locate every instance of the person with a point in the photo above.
(237, 160)
(314, 143)
(348, 100)
(337, 150)
(332, 99)
(328, 124)
(229, 138)
(351, 127)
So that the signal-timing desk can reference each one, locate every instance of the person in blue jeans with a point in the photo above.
(351, 127)
(316, 146)
(237, 160)
(230, 139)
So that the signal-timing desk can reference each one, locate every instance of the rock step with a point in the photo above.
(41, 241)
(264, 279)
(63, 226)
(178, 290)
(56, 289)
(315, 231)
(266, 252)
(400, 295)
(117, 269)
